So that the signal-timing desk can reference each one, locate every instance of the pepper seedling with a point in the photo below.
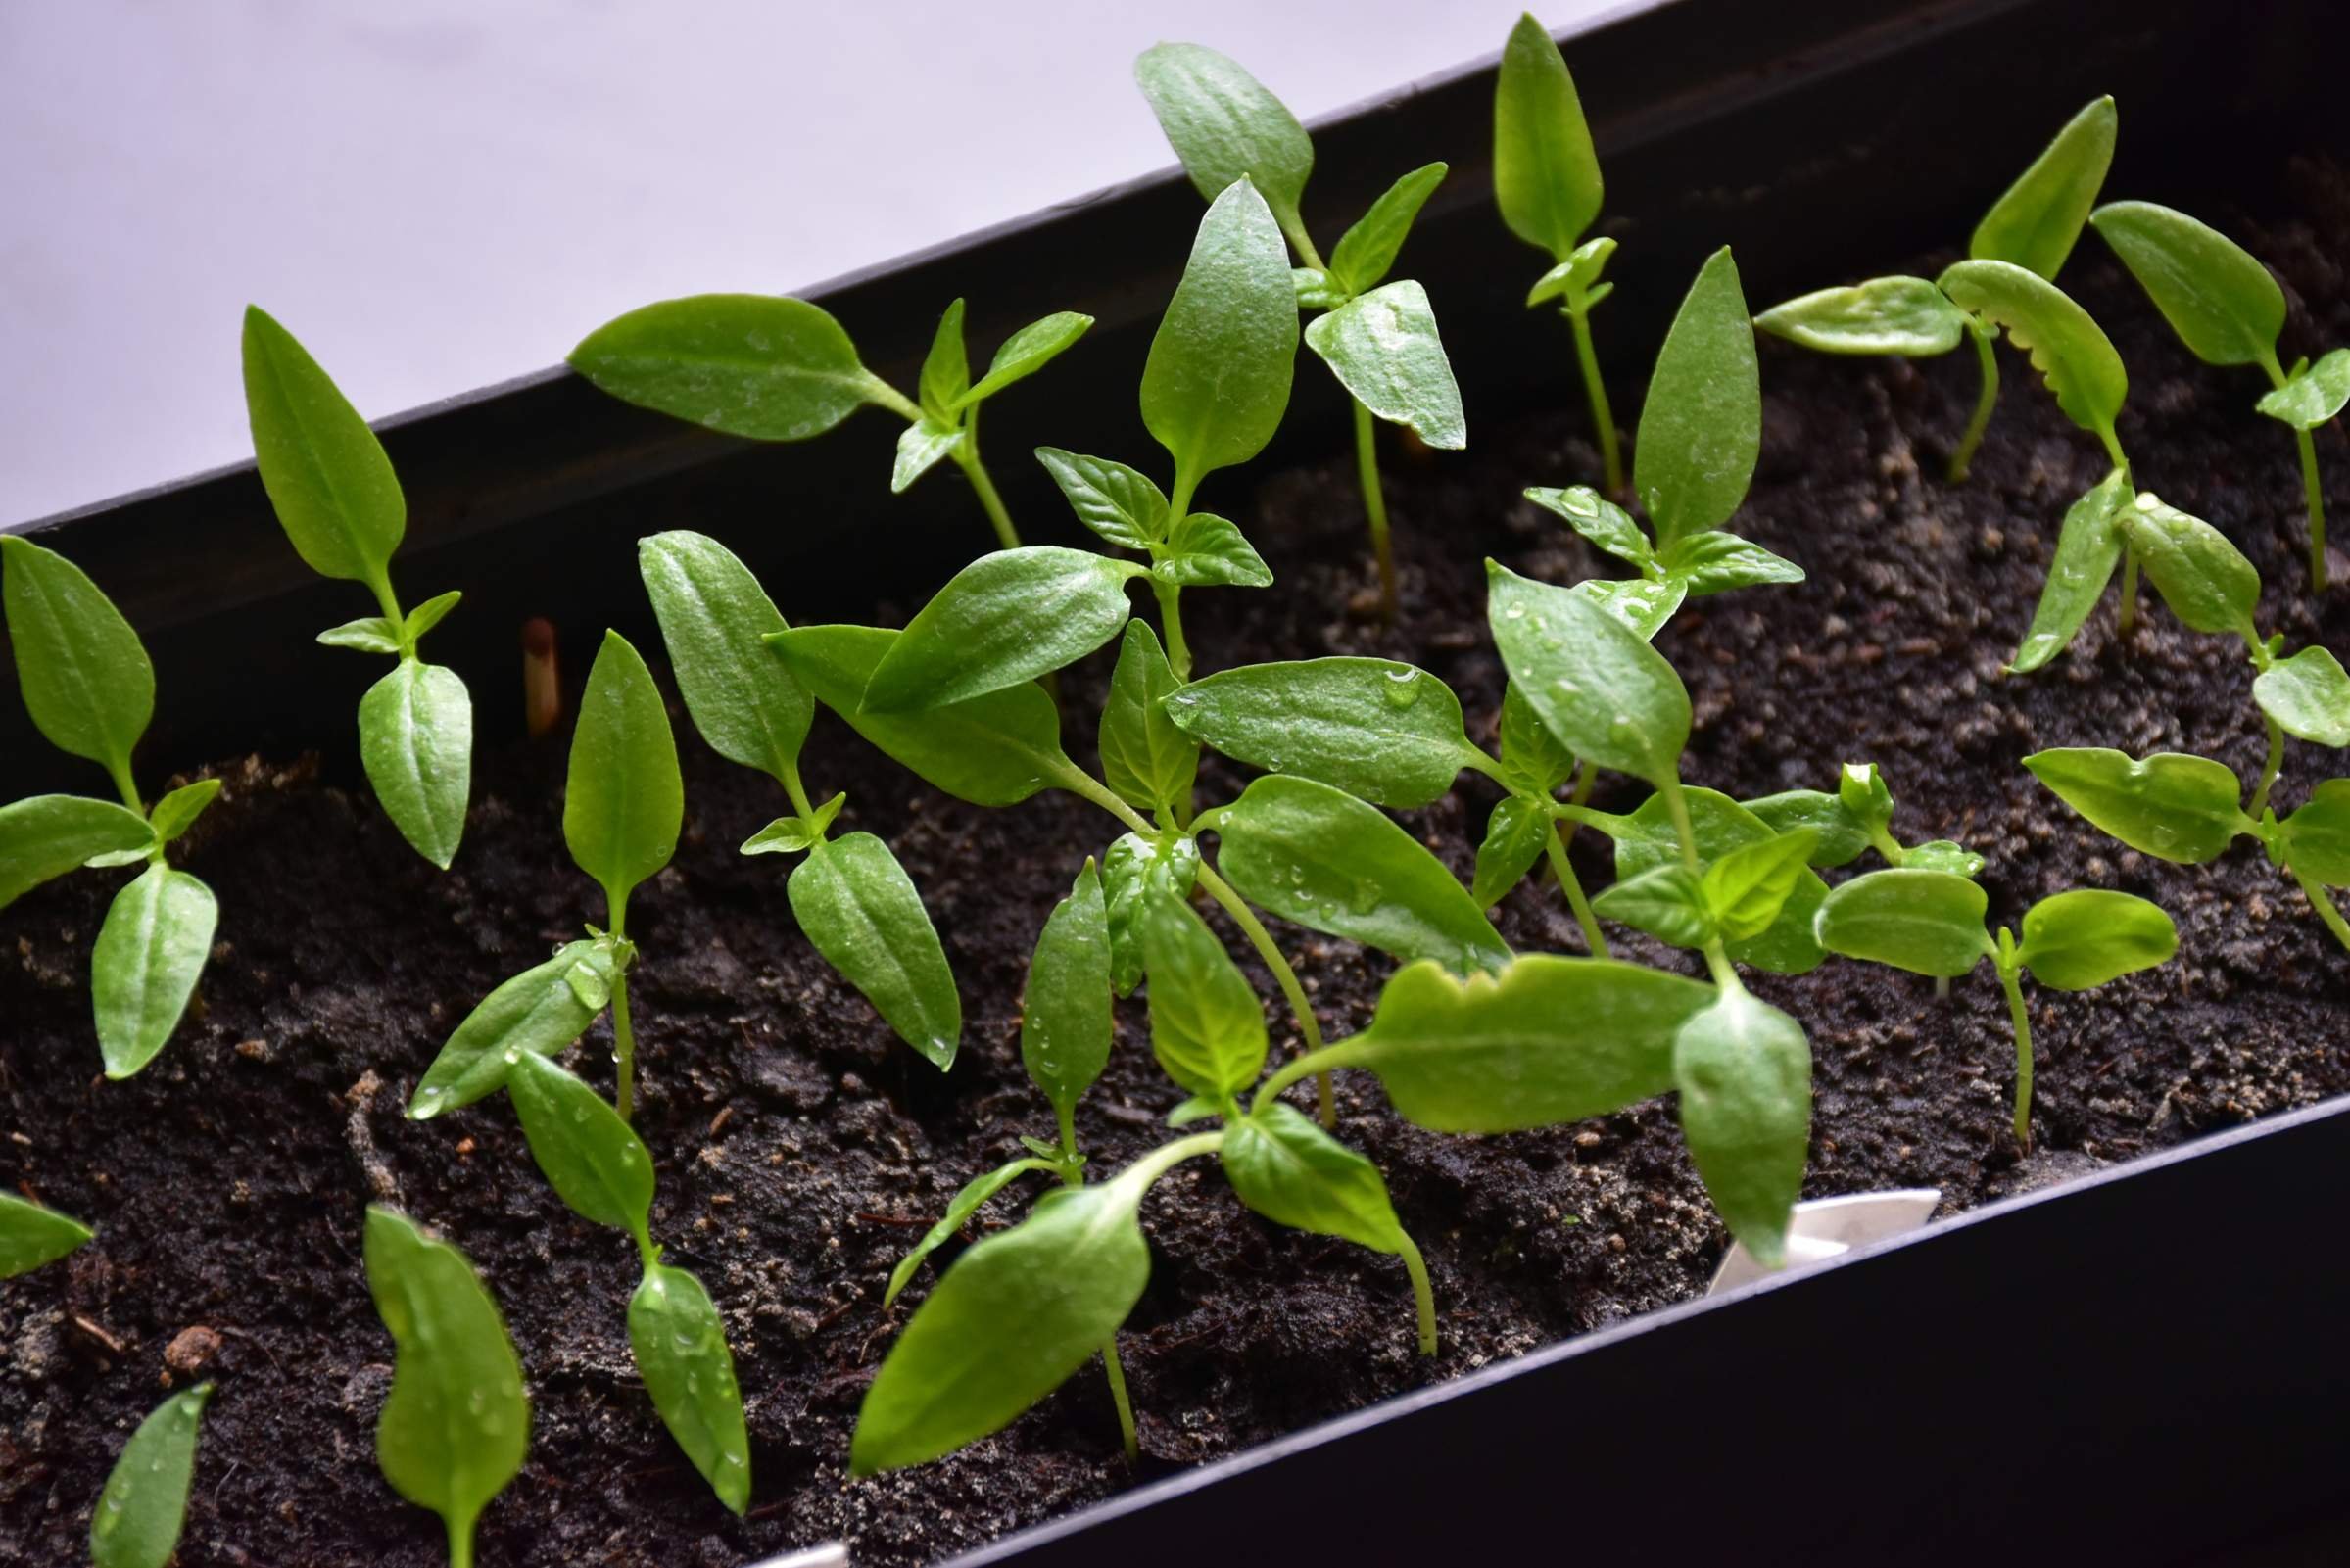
(2034, 225)
(31, 1235)
(90, 691)
(340, 504)
(1931, 923)
(457, 1423)
(1546, 182)
(773, 368)
(1378, 338)
(2228, 311)
(1855, 817)
(850, 896)
(623, 804)
(145, 1500)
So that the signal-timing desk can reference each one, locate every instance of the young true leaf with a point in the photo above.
(429, 614)
(860, 909)
(623, 800)
(456, 1426)
(1123, 505)
(1295, 1174)
(1202, 549)
(1225, 126)
(539, 1012)
(1024, 353)
(1513, 840)
(2087, 549)
(1580, 271)
(969, 1200)
(1666, 901)
(920, 447)
(1003, 620)
(369, 633)
(328, 479)
(2172, 806)
(2316, 839)
(749, 364)
(1649, 840)
(1940, 854)
(150, 952)
(145, 1502)
(1206, 1030)
(1384, 348)
(715, 620)
(2206, 581)
(2307, 696)
(1701, 429)
(1146, 757)
(2077, 940)
(86, 681)
(1363, 254)
(1389, 733)
(417, 743)
(176, 812)
(30, 1235)
(1532, 762)
(792, 836)
(1066, 1023)
(1903, 315)
(1322, 858)
(1133, 871)
(679, 1344)
(1744, 890)
(1596, 684)
(1598, 520)
(946, 368)
(2036, 224)
(1925, 922)
(1218, 378)
(45, 837)
(1715, 562)
(2068, 349)
(588, 1155)
(2215, 294)
(1743, 1069)
(2313, 394)
(1545, 174)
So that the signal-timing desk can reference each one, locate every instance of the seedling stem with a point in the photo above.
(1603, 418)
(1375, 505)
(1563, 869)
(1983, 404)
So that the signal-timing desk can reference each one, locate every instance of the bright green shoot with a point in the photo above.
(2034, 226)
(139, 1514)
(340, 506)
(2228, 309)
(1378, 338)
(90, 691)
(31, 1235)
(772, 369)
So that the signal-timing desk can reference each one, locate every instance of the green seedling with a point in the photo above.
(340, 506)
(2228, 309)
(600, 1167)
(90, 691)
(623, 804)
(773, 368)
(1546, 179)
(30, 1235)
(1378, 337)
(1857, 817)
(457, 1423)
(145, 1502)
(1931, 923)
(849, 894)
(2033, 227)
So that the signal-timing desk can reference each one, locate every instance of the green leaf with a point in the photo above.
(2206, 581)
(1647, 839)
(456, 1425)
(1666, 901)
(2088, 548)
(1385, 351)
(1514, 839)
(1743, 1069)
(2307, 696)
(176, 812)
(1207, 1028)
(967, 1202)
(2316, 839)
(679, 1344)
(1017, 1314)
(1389, 733)
(2078, 941)
(2173, 806)
(30, 1235)
(1575, 276)
(1146, 757)
(715, 620)
(2036, 222)
(417, 743)
(860, 909)
(1295, 1174)
(2312, 395)
(150, 952)
(999, 622)
(1548, 1040)
(945, 369)
(1322, 858)
(1366, 251)
(1746, 890)
(791, 836)
(1545, 174)
(369, 633)
(1925, 922)
(1596, 684)
(1532, 762)
(623, 799)
(1218, 378)
(1199, 1108)
(1862, 790)
(920, 446)
(1225, 126)
(1598, 520)
(139, 1514)
(328, 479)
(431, 613)
(1638, 603)
(2216, 294)
(44, 836)
(1134, 871)
(1204, 550)
(85, 679)
(1903, 315)
(539, 1012)
(1714, 563)
(1701, 429)
(1118, 503)
(1066, 1023)
(995, 750)
(586, 1152)
(748, 364)
(1940, 854)
(1026, 351)
(1838, 836)
(2068, 349)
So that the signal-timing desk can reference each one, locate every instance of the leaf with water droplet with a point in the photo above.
(30, 1235)
(587, 1154)
(1389, 733)
(861, 910)
(2174, 806)
(1596, 684)
(1066, 1023)
(540, 1011)
(681, 1350)
(2087, 549)
(1743, 1069)
(139, 1514)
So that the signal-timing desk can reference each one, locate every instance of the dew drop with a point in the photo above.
(1403, 688)
(1515, 612)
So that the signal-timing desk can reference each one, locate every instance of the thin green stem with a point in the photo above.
(967, 455)
(1603, 418)
(2268, 772)
(1078, 781)
(1554, 845)
(624, 1038)
(1985, 403)
(1117, 1374)
(1717, 957)
(1170, 622)
(2322, 902)
(1374, 504)
(1308, 1027)
(888, 397)
(1160, 1161)
(2128, 615)
(1300, 1068)
(1424, 1294)
(2021, 1017)
(124, 784)
(2314, 491)
(1306, 255)
(1585, 777)
(460, 1542)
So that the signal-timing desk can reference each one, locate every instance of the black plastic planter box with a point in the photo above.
(2148, 1366)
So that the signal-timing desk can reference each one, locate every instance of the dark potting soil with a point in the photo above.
(800, 1148)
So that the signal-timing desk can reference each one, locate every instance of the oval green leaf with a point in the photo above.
(748, 364)
(45, 837)
(85, 679)
(1743, 1069)
(2307, 696)
(2172, 806)
(416, 743)
(1121, 504)
(1005, 619)
(2088, 548)
(1204, 549)
(2068, 349)
(1366, 252)
(2205, 580)
(1295, 1174)
(679, 1344)
(327, 476)
(588, 1155)
(1066, 1021)
(1218, 378)
(861, 911)
(2316, 837)
(538, 1012)
(30, 1235)
(1700, 428)
(2077, 940)
(1207, 1027)
(1384, 348)
(1225, 126)
(139, 1514)
(715, 620)
(1925, 922)
(1389, 733)
(2216, 294)
(1546, 174)
(1596, 684)
(1024, 353)
(1149, 761)
(1647, 839)
(1513, 838)
(2314, 394)
(2036, 224)
(623, 799)
(1903, 315)
(1133, 869)
(150, 952)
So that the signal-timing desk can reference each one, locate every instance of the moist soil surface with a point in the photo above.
(800, 1148)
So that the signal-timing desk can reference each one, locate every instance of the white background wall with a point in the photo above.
(439, 194)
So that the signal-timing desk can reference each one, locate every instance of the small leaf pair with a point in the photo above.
(90, 691)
